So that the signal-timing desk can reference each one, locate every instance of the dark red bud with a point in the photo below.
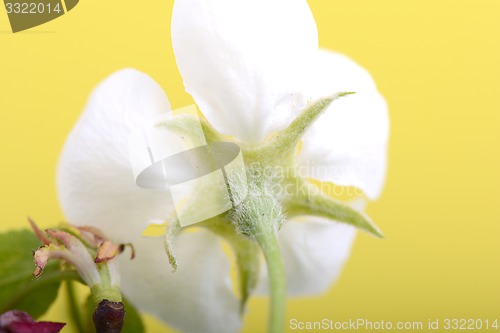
(108, 317)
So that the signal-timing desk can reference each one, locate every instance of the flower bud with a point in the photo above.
(108, 317)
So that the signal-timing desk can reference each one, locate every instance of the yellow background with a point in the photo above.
(437, 64)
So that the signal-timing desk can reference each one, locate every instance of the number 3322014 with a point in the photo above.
(32, 8)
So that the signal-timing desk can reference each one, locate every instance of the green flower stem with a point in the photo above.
(268, 241)
(259, 217)
(73, 308)
(105, 290)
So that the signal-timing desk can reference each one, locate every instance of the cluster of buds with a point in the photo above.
(93, 256)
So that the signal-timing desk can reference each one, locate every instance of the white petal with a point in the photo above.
(95, 181)
(347, 145)
(239, 60)
(314, 251)
(197, 298)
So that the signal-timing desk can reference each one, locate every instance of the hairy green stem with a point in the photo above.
(269, 244)
(259, 217)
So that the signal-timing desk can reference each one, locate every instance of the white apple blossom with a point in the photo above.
(252, 67)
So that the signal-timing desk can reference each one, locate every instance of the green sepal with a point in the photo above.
(187, 125)
(282, 144)
(246, 251)
(314, 203)
(248, 262)
(173, 229)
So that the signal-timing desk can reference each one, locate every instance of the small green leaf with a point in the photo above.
(18, 289)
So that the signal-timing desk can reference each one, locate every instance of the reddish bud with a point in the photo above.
(108, 317)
